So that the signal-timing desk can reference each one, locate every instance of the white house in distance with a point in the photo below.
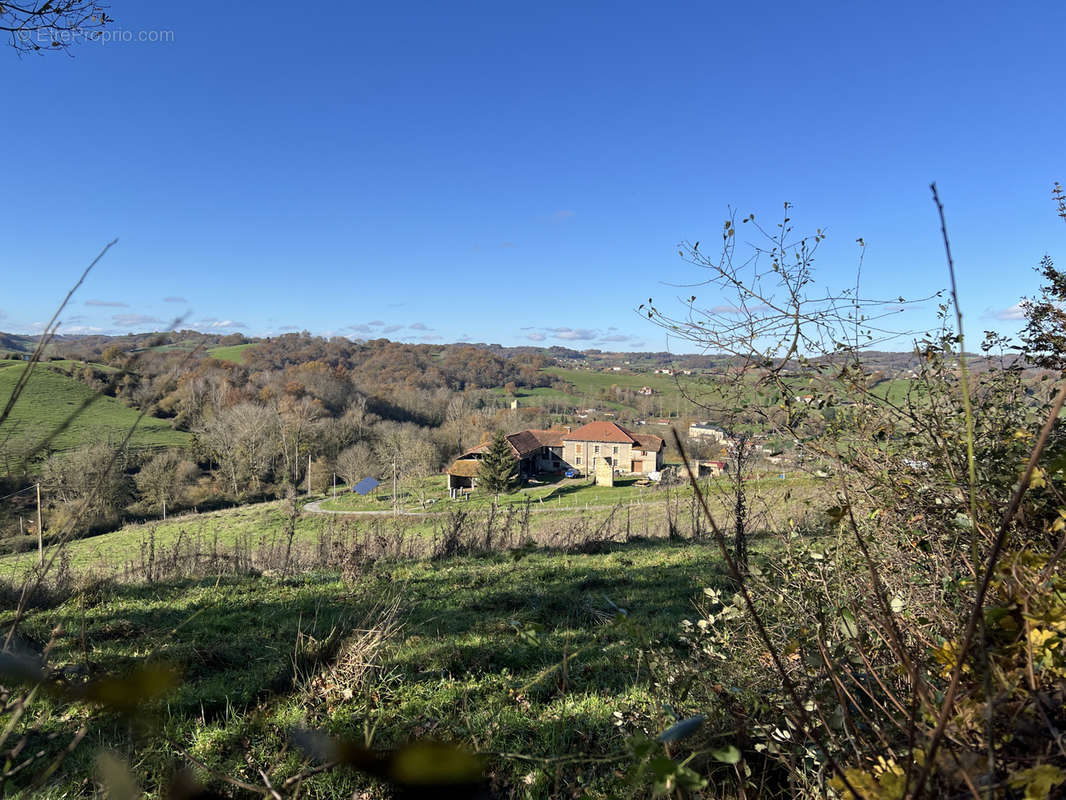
(704, 430)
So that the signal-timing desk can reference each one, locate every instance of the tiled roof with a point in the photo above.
(523, 443)
(601, 432)
(646, 441)
(549, 438)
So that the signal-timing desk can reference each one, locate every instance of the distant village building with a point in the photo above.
(705, 468)
(647, 391)
(704, 430)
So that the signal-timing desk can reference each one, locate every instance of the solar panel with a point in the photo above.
(365, 486)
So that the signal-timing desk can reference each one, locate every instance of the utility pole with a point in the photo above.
(309, 473)
(40, 530)
(164, 511)
(334, 486)
(395, 503)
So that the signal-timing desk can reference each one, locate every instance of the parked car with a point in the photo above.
(571, 473)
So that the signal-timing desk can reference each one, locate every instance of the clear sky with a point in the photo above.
(519, 173)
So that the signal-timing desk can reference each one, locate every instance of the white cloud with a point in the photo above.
(175, 300)
(536, 337)
(1016, 311)
(134, 320)
(574, 334)
(419, 326)
(107, 303)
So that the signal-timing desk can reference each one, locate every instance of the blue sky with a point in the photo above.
(520, 174)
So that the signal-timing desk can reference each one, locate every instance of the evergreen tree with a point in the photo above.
(499, 468)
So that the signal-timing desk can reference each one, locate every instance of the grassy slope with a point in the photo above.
(234, 353)
(109, 551)
(49, 399)
(478, 661)
(263, 525)
(588, 383)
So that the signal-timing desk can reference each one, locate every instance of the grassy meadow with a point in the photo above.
(233, 352)
(532, 662)
(49, 399)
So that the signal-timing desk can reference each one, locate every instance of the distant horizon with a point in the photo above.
(459, 343)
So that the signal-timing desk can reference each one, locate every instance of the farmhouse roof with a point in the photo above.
(464, 468)
(647, 441)
(523, 443)
(601, 432)
(552, 437)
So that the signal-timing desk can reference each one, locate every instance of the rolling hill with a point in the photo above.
(51, 397)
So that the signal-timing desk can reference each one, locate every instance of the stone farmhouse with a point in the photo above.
(558, 449)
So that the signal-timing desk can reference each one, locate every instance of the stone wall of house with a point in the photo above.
(584, 456)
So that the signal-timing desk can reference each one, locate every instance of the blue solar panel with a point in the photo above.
(365, 486)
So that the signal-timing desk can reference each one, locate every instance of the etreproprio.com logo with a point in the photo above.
(51, 38)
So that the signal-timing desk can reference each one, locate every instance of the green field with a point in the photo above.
(556, 492)
(233, 352)
(522, 660)
(48, 401)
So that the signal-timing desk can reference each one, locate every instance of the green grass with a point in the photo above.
(258, 523)
(234, 352)
(479, 661)
(50, 397)
(556, 492)
(561, 493)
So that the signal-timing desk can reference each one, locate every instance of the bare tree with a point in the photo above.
(34, 26)
(357, 462)
(163, 478)
(771, 324)
(243, 439)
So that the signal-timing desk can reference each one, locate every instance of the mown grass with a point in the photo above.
(509, 656)
(50, 397)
